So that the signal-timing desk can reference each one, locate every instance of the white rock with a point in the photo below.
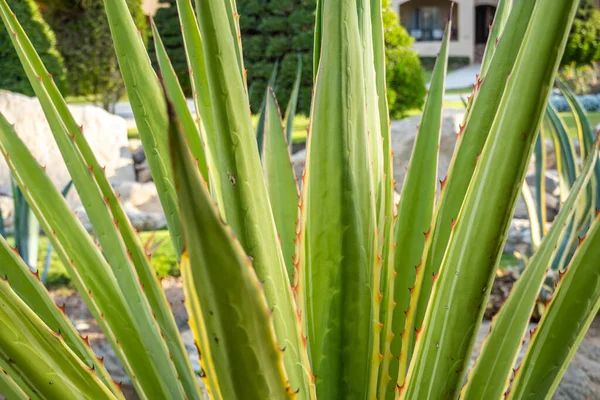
(106, 134)
(7, 206)
(298, 160)
(134, 144)
(142, 196)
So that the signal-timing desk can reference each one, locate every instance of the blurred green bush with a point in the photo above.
(84, 40)
(12, 75)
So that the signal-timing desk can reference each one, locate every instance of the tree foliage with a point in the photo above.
(583, 46)
(84, 40)
(276, 31)
(12, 75)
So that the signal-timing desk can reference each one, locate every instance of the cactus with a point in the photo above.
(329, 293)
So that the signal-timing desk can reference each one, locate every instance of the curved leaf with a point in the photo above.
(339, 257)
(149, 109)
(564, 324)
(229, 313)
(478, 235)
(243, 186)
(412, 224)
(491, 374)
(281, 183)
(470, 142)
(290, 111)
(28, 287)
(40, 356)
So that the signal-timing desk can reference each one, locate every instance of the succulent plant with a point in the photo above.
(331, 293)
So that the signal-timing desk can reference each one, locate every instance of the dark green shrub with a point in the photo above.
(84, 39)
(583, 45)
(405, 83)
(12, 75)
(277, 31)
(168, 25)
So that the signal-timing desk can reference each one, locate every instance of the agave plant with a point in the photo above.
(330, 294)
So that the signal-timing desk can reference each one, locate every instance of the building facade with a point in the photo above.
(425, 21)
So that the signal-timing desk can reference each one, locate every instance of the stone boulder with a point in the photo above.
(298, 160)
(403, 138)
(105, 132)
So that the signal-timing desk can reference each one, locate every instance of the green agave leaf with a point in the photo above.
(109, 222)
(491, 374)
(500, 18)
(385, 203)
(10, 373)
(26, 229)
(371, 108)
(229, 313)
(567, 170)
(586, 135)
(260, 128)
(92, 274)
(40, 356)
(149, 109)
(11, 389)
(563, 326)
(28, 287)
(412, 226)
(534, 221)
(540, 179)
(176, 96)
(199, 80)
(470, 142)
(119, 241)
(339, 258)
(281, 183)
(234, 23)
(244, 190)
(371, 32)
(318, 36)
(290, 111)
(49, 249)
(478, 235)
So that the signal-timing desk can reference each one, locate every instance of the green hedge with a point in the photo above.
(277, 31)
(583, 45)
(84, 40)
(12, 75)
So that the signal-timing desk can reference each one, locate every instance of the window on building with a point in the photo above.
(484, 16)
(427, 24)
